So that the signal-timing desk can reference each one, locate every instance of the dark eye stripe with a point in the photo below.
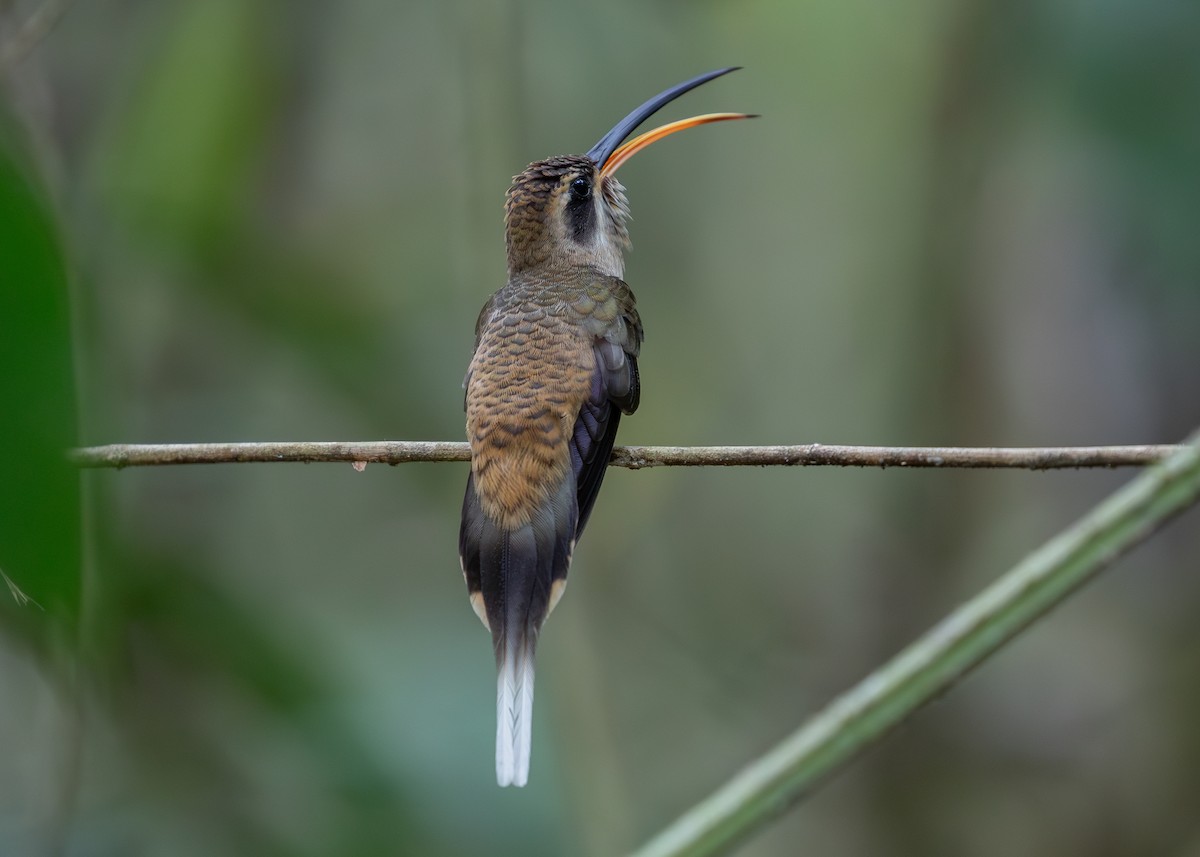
(581, 214)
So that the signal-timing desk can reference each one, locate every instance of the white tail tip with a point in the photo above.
(514, 717)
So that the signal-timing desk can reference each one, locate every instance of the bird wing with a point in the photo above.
(616, 389)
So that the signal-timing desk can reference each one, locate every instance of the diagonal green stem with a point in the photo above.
(963, 640)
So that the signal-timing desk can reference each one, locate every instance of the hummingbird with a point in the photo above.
(554, 368)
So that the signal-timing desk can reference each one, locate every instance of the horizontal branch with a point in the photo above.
(635, 457)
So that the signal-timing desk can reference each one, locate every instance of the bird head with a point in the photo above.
(570, 211)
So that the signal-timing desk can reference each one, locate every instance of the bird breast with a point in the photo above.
(530, 375)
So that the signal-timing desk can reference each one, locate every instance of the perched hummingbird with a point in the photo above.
(555, 366)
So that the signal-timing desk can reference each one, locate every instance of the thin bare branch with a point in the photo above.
(636, 457)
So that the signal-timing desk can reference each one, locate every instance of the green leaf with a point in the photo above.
(39, 490)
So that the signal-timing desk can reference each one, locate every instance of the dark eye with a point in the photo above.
(581, 189)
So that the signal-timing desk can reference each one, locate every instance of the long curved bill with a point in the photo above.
(627, 150)
(603, 153)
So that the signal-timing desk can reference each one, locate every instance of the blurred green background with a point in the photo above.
(959, 223)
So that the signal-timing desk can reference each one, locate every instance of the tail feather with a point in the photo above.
(513, 572)
(525, 560)
(514, 714)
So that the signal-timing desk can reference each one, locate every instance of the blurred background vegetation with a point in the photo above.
(960, 223)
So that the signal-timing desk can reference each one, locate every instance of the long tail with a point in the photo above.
(516, 575)
(514, 712)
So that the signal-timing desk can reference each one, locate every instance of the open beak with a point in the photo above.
(611, 151)
(627, 150)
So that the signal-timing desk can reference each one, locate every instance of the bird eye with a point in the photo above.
(581, 189)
